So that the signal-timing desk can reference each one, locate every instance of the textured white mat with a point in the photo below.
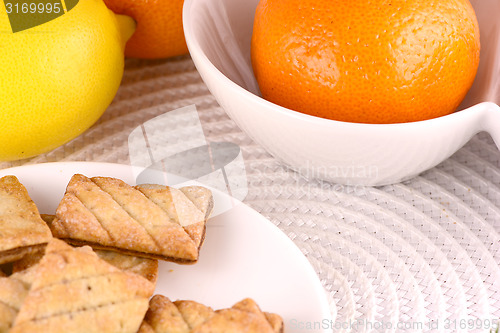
(421, 256)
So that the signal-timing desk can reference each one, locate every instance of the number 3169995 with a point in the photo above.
(40, 8)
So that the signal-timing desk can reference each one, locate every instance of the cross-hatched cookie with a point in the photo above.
(165, 316)
(22, 231)
(152, 221)
(73, 290)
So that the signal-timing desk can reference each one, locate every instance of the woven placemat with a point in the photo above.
(419, 256)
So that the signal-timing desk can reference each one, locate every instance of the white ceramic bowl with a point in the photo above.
(218, 34)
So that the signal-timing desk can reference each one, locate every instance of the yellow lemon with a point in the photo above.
(56, 79)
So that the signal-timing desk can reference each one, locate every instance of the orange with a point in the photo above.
(159, 31)
(366, 61)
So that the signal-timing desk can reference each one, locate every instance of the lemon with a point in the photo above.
(57, 78)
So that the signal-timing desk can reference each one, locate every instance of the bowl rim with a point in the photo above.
(197, 52)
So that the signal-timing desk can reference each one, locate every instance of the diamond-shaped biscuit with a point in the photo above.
(165, 316)
(152, 221)
(22, 231)
(73, 290)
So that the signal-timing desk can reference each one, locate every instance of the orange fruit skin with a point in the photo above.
(366, 61)
(159, 32)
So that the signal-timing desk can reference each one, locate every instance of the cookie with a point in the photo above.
(150, 221)
(165, 316)
(73, 290)
(22, 231)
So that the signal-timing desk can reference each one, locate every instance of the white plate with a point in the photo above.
(244, 255)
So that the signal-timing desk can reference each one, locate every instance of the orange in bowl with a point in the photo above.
(366, 61)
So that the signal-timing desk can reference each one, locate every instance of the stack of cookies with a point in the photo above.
(93, 265)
